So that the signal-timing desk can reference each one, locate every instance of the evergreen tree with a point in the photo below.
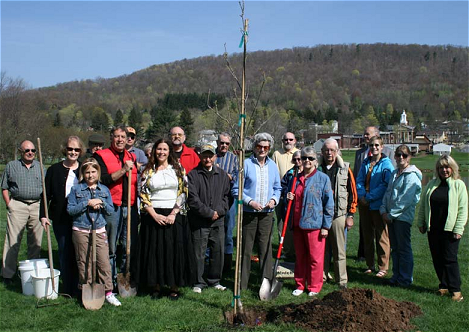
(57, 120)
(135, 119)
(187, 123)
(162, 120)
(119, 117)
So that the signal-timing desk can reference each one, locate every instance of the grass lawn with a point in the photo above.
(204, 312)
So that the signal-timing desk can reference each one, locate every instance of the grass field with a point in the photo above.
(204, 312)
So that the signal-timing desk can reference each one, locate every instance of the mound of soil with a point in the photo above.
(348, 310)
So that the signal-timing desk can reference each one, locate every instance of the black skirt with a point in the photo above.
(164, 254)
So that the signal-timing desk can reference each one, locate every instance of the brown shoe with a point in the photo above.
(457, 297)
(442, 292)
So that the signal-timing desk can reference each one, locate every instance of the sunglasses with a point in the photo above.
(69, 149)
(177, 135)
(131, 136)
(263, 147)
(296, 159)
(29, 150)
(288, 139)
(308, 158)
(225, 143)
(403, 155)
(374, 145)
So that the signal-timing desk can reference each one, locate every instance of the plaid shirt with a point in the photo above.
(228, 163)
(22, 182)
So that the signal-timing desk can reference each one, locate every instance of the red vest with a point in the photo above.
(113, 164)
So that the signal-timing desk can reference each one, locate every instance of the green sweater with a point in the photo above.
(457, 209)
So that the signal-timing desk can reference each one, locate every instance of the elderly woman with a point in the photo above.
(443, 214)
(312, 219)
(398, 210)
(260, 195)
(372, 182)
(60, 178)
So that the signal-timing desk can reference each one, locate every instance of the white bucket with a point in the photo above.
(42, 284)
(26, 268)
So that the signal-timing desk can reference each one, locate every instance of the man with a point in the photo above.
(360, 155)
(115, 163)
(283, 159)
(209, 188)
(188, 158)
(21, 190)
(227, 161)
(345, 204)
(129, 146)
(95, 143)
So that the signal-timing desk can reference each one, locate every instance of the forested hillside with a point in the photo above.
(354, 84)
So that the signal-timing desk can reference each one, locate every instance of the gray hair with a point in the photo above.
(331, 140)
(296, 153)
(263, 137)
(148, 146)
(225, 135)
(308, 151)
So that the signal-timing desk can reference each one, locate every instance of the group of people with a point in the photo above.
(182, 206)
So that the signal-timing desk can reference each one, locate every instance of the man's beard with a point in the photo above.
(287, 146)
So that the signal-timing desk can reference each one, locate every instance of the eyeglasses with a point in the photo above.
(69, 149)
(131, 136)
(288, 139)
(177, 135)
(263, 147)
(374, 145)
(225, 143)
(308, 158)
(29, 150)
(403, 155)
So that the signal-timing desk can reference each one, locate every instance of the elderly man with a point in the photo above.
(227, 161)
(283, 159)
(21, 190)
(360, 155)
(188, 158)
(345, 204)
(115, 163)
(95, 143)
(129, 146)
(209, 190)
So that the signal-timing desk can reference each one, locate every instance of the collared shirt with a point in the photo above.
(228, 163)
(283, 160)
(139, 154)
(22, 182)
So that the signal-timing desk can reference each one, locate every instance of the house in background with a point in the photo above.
(441, 149)
(425, 144)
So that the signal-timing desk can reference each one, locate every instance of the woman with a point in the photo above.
(163, 255)
(60, 178)
(261, 194)
(443, 214)
(398, 211)
(372, 183)
(312, 218)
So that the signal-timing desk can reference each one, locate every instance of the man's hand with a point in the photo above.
(270, 204)
(215, 216)
(349, 222)
(45, 223)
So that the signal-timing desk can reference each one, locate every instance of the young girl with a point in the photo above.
(90, 200)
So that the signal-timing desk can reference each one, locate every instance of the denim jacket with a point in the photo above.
(78, 205)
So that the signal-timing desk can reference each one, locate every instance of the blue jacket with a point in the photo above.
(78, 205)
(380, 176)
(253, 188)
(317, 210)
(402, 195)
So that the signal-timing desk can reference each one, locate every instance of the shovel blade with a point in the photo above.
(93, 296)
(276, 288)
(270, 290)
(124, 286)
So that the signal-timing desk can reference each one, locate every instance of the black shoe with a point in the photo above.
(8, 281)
(174, 296)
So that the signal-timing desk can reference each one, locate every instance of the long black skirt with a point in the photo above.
(164, 255)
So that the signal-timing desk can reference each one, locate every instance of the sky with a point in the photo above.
(50, 42)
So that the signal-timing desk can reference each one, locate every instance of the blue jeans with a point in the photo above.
(230, 222)
(401, 253)
(116, 229)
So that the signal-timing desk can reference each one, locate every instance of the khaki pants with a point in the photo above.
(20, 216)
(376, 230)
(336, 241)
(83, 251)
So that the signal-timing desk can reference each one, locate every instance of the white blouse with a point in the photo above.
(163, 186)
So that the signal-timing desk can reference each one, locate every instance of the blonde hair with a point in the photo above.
(447, 160)
(90, 162)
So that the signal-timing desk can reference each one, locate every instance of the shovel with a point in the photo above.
(93, 294)
(123, 279)
(271, 288)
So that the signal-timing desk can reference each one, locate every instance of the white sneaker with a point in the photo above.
(111, 298)
(297, 292)
(312, 294)
(197, 290)
(219, 287)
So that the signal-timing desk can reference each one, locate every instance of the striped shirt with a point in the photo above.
(22, 182)
(228, 163)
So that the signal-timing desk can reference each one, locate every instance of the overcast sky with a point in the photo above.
(49, 42)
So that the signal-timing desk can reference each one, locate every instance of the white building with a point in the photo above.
(441, 149)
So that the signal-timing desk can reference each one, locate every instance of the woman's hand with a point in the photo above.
(45, 223)
(160, 219)
(256, 206)
(324, 233)
(457, 236)
(290, 196)
(270, 204)
(422, 229)
(170, 219)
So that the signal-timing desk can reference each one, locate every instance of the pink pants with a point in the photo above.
(309, 247)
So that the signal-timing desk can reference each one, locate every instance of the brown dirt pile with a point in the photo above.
(348, 310)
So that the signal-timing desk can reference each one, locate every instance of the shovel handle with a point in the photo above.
(285, 220)
(129, 207)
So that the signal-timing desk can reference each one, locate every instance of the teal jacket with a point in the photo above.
(402, 194)
(457, 209)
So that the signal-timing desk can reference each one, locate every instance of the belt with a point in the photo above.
(27, 202)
